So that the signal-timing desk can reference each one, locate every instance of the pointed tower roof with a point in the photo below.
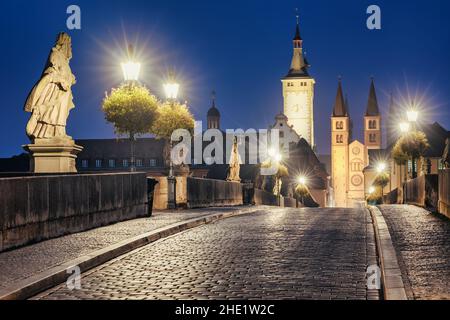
(299, 66)
(213, 111)
(372, 103)
(297, 30)
(339, 109)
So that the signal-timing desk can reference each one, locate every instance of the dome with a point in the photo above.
(213, 112)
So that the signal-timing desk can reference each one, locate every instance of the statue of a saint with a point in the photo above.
(446, 155)
(50, 101)
(235, 163)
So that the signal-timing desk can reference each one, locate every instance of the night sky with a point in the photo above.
(241, 49)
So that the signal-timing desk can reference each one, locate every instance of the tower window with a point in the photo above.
(339, 125)
(372, 138)
(372, 124)
(339, 138)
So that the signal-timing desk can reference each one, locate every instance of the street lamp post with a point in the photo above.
(413, 115)
(171, 89)
(131, 70)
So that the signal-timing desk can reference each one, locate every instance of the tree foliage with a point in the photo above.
(381, 180)
(412, 145)
(301, 190)
(172, 116)
(131, 109)
(375, 197)
(399, 156)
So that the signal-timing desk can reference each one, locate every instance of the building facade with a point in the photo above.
(298, 93)
(350, 158)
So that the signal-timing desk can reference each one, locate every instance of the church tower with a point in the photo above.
(372, 121)
(298, 92)
(213, 116)
(340, 136)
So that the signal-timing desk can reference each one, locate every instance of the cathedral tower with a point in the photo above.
(298, 92)
(340, 135)
(213, 116)
(372, 121)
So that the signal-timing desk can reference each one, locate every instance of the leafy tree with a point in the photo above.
(302, 191)
(412, 145)
(381, 181)
(132, 110)
(171, 116)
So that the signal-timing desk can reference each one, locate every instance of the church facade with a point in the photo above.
(350, 157)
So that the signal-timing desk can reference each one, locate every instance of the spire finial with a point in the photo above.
(213, 96)
(297, 16)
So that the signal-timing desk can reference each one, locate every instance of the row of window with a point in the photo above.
(112, 163)
(372, 138)
(339, 125)
(373, 124)
(339, 138)
(302, 84)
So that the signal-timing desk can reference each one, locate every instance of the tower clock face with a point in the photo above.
(296, 102)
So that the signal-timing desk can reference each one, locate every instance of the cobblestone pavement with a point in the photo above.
(27, 261)
(422, 243)
(270, 254)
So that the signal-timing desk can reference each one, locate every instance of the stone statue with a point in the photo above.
(235, 163)
(446, 155)
(50, 101)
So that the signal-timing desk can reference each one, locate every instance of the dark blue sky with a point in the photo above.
(239, 48)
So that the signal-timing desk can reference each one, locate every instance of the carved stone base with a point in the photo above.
(53, 155)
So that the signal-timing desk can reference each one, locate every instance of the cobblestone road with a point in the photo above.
(27, 261)
(271, 254)
(422, 243)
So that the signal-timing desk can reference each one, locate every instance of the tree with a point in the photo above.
(171, 116)
(381, 181)
(412, 145)
(132, 109)
(302, 191)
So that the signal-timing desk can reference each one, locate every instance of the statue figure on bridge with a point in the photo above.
(50, 101)
(235, 163)
(446, 155)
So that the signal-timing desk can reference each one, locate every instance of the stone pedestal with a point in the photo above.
(53, 155)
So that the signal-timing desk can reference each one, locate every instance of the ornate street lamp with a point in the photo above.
(412, 115)
(171, 89)
(381, 167)
(131, 69)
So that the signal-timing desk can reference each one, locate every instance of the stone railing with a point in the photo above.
(391, 197)
(38, 208)
(444, 192)
(212, 193)
(262, 197)
(422, 191)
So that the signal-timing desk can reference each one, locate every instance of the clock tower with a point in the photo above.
(298, 93)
